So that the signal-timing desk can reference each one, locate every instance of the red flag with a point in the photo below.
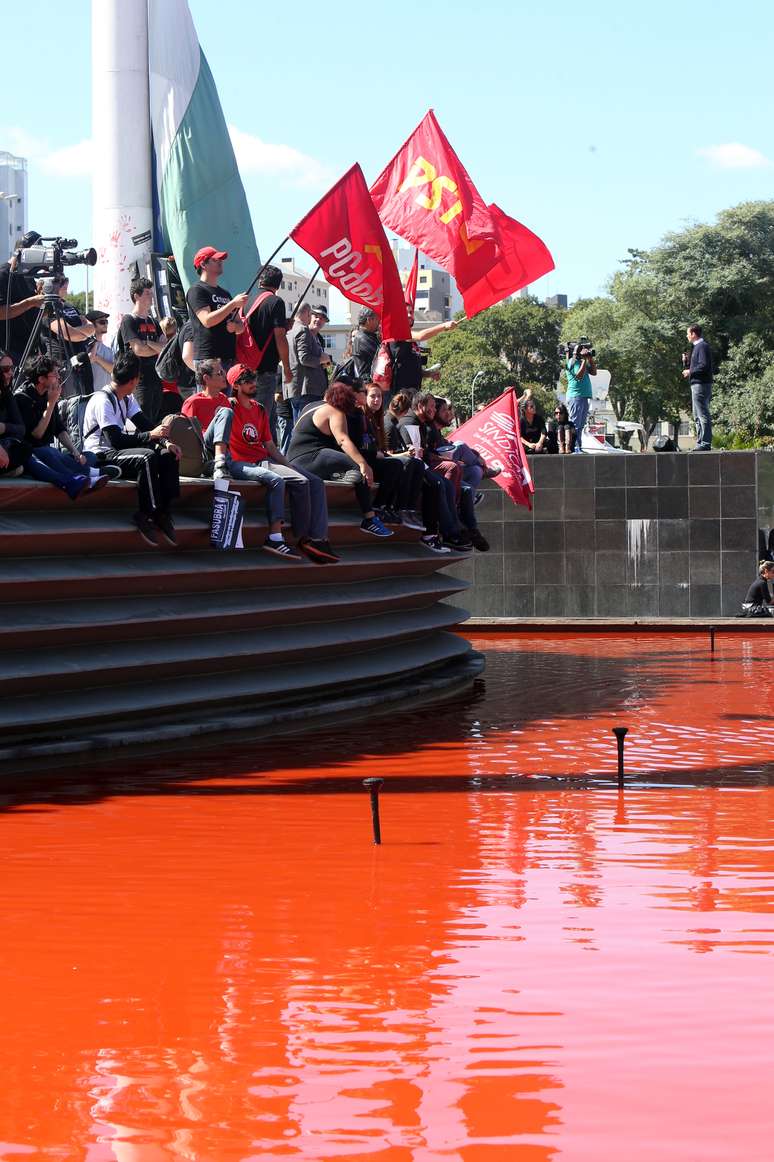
(426, 196)
(523, 259)
(410, 291)
(344, 234)
(494, 431)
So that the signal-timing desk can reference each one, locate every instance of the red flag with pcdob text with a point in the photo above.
(425, 194)
(494, 432)
(523, 258)
(344, 234)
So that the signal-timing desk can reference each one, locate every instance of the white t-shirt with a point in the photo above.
(101, 377)
(105, 410)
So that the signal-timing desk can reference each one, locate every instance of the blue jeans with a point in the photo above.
(701, 394)
(55, 467)
(578, 409)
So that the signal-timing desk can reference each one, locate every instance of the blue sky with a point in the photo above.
(601, 127)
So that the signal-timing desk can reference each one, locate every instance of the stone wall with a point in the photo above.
(654, 535)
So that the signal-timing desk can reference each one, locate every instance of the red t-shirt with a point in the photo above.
(202, 408)
(250, 432)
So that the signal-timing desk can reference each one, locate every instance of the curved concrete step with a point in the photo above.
(164, 571)
(73, 714)
(31, 625)
(148, 660)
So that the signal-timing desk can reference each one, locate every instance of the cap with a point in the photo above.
(321, 311)
(206, 252)
(97, 316)
(233, 373)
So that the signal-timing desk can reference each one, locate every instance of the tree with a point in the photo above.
(79, 301)
(513, 344)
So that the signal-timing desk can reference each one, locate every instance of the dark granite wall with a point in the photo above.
(654, 535)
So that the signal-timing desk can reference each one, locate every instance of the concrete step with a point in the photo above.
(170, 571)
(32, 625)
(147, 661)
(62, 714)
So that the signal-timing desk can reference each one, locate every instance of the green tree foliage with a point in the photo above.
(79, 301)
(513, 344)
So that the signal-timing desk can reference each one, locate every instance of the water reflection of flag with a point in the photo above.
(494, 431)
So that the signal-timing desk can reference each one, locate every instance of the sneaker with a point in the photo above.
(434, 542)
(97, 483)
(479, 540)
(76, 485)
(372, 525)
(350, 476)
(280, 549)
(391, 517)
(411, 519)
(458, 544)
(163, 522)
(112, 471)
(146, 528)
(479, 497)
(220, 470)
(490, 473)
(318, 551)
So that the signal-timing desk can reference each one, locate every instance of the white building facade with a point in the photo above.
(13, 202)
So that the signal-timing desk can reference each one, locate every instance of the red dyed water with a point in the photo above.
(206, 958)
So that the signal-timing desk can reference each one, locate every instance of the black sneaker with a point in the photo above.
(318, 551)
(146, 528)
(389, 516)
(163, 522)
(112, 471)
(280, 549)
(479, 541)
(434, 542)
(411, 519)
(458, 544)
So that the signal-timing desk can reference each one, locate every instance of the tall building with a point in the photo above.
(294, 283)
(13, 202)
(437, 296)
(557, 301)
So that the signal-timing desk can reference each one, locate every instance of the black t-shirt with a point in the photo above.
(365, 345)
(210, 342)
(32, 407)
(59, 350)
(532, 432)
(19, 329)
(148, 392)
(406, 366)
(270, 314)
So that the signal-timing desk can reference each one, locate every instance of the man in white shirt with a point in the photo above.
(144, 454)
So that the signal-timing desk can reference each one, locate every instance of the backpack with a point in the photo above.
(381, 371)
(186, 432)
(347, 368)
(71, 412)
(247, 350)
(169, 365)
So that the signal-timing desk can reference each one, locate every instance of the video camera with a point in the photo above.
(53, 258)
(582, 349)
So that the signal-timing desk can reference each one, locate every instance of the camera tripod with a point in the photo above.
(51, 309)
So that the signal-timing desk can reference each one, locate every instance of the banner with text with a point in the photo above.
(494, 431)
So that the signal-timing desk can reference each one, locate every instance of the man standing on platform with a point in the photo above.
(699, 375)
(212, 309)
(580, 367)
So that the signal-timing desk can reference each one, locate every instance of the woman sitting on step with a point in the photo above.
(759, 601)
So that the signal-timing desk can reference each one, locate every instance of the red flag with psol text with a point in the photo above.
(494, 432)
(521, 258)
(425, 194)
(344, 234)
(410, 291)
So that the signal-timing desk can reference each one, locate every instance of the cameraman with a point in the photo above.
(580, 366)
(72, 335)
(19, 302)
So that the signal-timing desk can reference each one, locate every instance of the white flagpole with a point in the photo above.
(121, 184)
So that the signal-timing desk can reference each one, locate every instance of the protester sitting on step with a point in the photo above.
(435, 504)
(532, 426)
(209, 396)
(37, 398)
(561, 432)
(406, 484)
(322, 444)
(144, 454)
(474, 466)
(239, 437)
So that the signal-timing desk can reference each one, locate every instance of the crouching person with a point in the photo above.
(144, 454)
(239, 438)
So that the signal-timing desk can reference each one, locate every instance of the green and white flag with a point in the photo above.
(201, 200)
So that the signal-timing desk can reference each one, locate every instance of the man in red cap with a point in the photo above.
(213, 310)
(239, 437)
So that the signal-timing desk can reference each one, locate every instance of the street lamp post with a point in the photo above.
(473, 392)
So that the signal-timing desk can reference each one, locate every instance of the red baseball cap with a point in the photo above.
(206, 252)
(233, 373)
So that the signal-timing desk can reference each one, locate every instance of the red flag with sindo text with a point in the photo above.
(494, 432)
(521, 258)
(344, 234)
(425, 194)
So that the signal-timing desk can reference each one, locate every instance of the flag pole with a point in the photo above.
(303, 293)
(263, 266)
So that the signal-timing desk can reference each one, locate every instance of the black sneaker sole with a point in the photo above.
(285, 554)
